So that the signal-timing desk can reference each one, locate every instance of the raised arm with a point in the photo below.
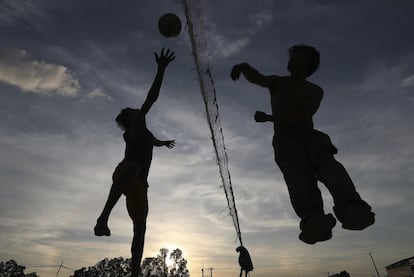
(162, 60)
(253, 76)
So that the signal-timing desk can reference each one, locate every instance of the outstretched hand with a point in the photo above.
(164, 58)
(170, 143)
(237, 70)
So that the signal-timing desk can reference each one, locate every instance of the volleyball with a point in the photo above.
(169, 25)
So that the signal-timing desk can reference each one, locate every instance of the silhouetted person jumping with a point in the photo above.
(130, 176)
(303, 154)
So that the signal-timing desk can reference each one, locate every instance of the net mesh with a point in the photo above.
(194, 16)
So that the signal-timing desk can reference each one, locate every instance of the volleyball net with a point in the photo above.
(195, 26)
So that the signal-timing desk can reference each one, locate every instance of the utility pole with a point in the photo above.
(370, 254)
(211, 272)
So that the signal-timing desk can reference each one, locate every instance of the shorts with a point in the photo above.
(135, 189)
(125, 171)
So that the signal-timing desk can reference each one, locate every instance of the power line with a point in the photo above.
(57, 273)
(54, 265)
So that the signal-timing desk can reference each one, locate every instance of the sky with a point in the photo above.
(68, 67)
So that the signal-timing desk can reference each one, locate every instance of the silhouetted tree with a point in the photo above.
(154, 267)
(179, 267)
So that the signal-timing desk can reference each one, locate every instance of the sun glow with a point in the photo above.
(169, 262)
(171, 247)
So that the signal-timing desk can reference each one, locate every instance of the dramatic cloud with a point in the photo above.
(19, 69)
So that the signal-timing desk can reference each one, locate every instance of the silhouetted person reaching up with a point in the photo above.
(303, 154)
(130, 176)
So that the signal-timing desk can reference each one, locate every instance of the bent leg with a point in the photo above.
(350, 209)
(304, 193)
(122, 174)
(101, 227)
(337, 180)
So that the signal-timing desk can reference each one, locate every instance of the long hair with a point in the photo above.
(124, 118)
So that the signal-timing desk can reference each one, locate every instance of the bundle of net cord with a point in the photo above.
(245, 261)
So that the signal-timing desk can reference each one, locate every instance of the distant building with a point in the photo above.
(403, 268)
(342, 274)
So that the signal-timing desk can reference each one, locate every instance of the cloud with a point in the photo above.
(261, 19)
(99, 93)
(18, 68)
(407, 82)
(222, 47)
(380, 76)
(30, 14)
